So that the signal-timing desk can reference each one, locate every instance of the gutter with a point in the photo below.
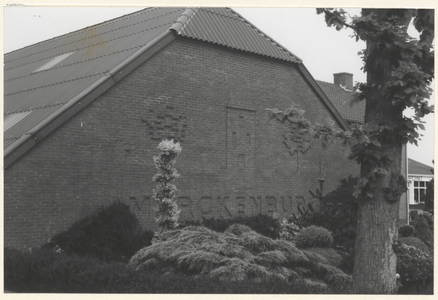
(28, 140)
(323, 96)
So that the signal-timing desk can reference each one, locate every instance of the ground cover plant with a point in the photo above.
(238, 254)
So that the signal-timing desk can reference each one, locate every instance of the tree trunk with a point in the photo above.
(375, 261)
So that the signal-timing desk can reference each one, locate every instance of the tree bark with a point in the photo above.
(375, 261)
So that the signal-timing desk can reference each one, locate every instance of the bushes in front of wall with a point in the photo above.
(416, 242)
(406, 230)
(46, 271)
(314, 236)
(415, 268)
(266, 225)
(239, 255)
(112, 233)
(423, 232)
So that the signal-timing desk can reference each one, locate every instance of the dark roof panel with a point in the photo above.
(341, 99)
(417, 168)
(224, 27)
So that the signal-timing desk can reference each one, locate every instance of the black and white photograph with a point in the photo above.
(218, 150)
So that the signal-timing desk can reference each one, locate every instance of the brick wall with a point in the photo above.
(212, 99)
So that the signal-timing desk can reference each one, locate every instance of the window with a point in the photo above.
(419, 190)
(13, 119)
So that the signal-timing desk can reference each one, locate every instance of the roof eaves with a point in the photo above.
(28, 140)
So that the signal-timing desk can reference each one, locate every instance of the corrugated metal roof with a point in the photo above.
(341, 99)
(34, 91)
(225, 27)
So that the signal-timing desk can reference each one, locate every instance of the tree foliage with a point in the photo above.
(399, 71)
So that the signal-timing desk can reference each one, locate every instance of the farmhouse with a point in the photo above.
(84, 113)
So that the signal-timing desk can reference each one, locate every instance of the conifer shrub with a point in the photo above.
(406, 230)
(314, 236)
(111, 233)
(237, 255)
(331, 255)
(164, 192)
(266, 225)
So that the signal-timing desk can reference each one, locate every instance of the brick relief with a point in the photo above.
(165, 123)
(241, 125)
(297, 142)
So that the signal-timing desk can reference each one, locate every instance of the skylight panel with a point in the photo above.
(13, 119)
(53, 61)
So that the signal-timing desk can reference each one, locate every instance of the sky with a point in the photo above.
(324, 50)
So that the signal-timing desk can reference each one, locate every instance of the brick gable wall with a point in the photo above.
(212, 99)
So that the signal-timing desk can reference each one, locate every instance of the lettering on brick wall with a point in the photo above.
(204, 205)
(165, 123)
(185, 204)
(141, 206)
(224, 206)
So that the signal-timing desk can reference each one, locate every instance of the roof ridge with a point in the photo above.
(183, 20)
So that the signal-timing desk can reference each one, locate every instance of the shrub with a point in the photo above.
(112, 233)
(338, 214)
(45, 271)
(416, 242)
(314, 236)
(247, 256)
(164, 192)
(423, 232)
(266, 225)
(415, 269)
(238, 229)
(331, 255)
(406, 230)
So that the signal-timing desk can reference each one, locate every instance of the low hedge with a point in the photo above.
(45, 271)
